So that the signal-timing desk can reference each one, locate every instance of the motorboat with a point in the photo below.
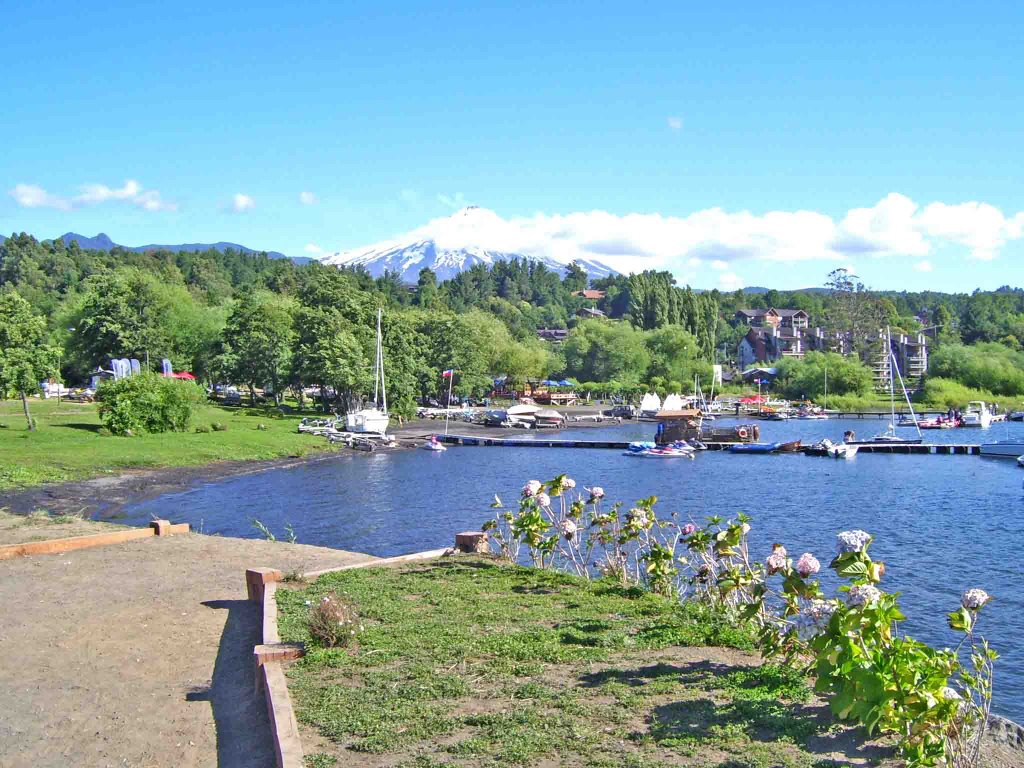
(433, 444)
(548, 417)
(496, 418)
(697, 445)
(523, 415)
(1016, 416)
(652, 450)
(810, 416)
(776, 416)
(977, 415)
(1020, 461)
(755, 448)
(1006, 449)
(831, 450)
(792, 446)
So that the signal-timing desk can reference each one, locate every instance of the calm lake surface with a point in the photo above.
(943, 524)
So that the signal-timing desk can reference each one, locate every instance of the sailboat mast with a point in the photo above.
(906, 395)
(824, 406)
(889, 361)
(380, 364)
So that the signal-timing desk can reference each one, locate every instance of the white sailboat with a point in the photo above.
(373, 420)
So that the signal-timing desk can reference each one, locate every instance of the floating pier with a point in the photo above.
(511, 442)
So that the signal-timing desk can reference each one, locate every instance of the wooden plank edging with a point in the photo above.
(284, 729)
(56, 546)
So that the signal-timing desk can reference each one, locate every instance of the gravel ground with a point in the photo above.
(137, 654)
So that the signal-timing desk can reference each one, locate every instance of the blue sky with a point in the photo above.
(184, 123)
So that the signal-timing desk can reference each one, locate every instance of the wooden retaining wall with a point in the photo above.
(56, 546)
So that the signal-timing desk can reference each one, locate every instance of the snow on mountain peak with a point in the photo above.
(449, 245)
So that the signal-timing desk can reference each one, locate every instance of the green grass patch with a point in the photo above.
(70, 443)
(469, 662)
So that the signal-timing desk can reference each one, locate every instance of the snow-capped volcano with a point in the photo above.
(458, 242)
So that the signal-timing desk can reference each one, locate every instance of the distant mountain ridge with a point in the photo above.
(449, 246)
(102, 242)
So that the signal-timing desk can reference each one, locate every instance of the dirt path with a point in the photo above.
(138, 654)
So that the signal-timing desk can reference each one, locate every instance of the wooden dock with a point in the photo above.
(511, 442)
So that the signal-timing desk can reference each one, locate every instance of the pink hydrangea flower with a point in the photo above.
(532, 488)
(807, 565)
(543, 499)
(689, 529)
(597, 492)
(568, 528)
(776, 561)
(568, 483)
(852, 541)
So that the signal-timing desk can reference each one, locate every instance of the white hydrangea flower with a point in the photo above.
(597, 492)
(852, 541)
(568, 483)
(862, 594)
(814, 619)
(973, 599)
(568, 528)
(543, 499)
(532, 488)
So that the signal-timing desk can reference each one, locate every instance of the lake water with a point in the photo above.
(943, 524)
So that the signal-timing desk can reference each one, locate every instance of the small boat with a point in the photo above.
(697, 445)
(842, 451)
(548, 417)
(1020, 461)
(373, 420)
(755, 448)
(793, 446)
(936, 423)
(977, 415)
(496, 419)
(1005, 449)
(1017, 416)
(810, 416)
(433, 444)
(650, 450)
(889, 437)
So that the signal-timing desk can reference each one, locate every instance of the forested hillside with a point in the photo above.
(257, 321)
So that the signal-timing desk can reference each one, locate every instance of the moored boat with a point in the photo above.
(755, 448)
(977, 415)
(1005, 449)
(793, 446)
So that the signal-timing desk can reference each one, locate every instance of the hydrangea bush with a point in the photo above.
(936, 705)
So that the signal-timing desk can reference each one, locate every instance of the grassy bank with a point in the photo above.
(469, 663)
(71, 444)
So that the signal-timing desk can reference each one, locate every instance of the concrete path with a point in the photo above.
(137, 655)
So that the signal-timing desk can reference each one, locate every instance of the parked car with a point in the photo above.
(621, 411)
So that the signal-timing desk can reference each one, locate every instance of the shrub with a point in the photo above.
(874, 675)
(148, 403)
(333, 621)
(219, 427)
(202, 428)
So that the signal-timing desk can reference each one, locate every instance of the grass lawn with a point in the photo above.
(467, 662)
(71, 444)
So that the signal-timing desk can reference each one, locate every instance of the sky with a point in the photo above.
(736, 145)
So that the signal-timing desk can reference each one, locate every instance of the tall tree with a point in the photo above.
(854, 312)
(256, 343)
(25, 357)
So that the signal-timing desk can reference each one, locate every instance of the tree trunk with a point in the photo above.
(252, 395)
(28, 416)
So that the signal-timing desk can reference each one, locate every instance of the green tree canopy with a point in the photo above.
(25, 357)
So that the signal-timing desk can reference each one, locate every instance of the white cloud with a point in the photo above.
(455, 202)
(240, 202)
(32, 196)
(675, 123)
(895, 227)
(923, 266)
(314, 250)
(307, 198)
